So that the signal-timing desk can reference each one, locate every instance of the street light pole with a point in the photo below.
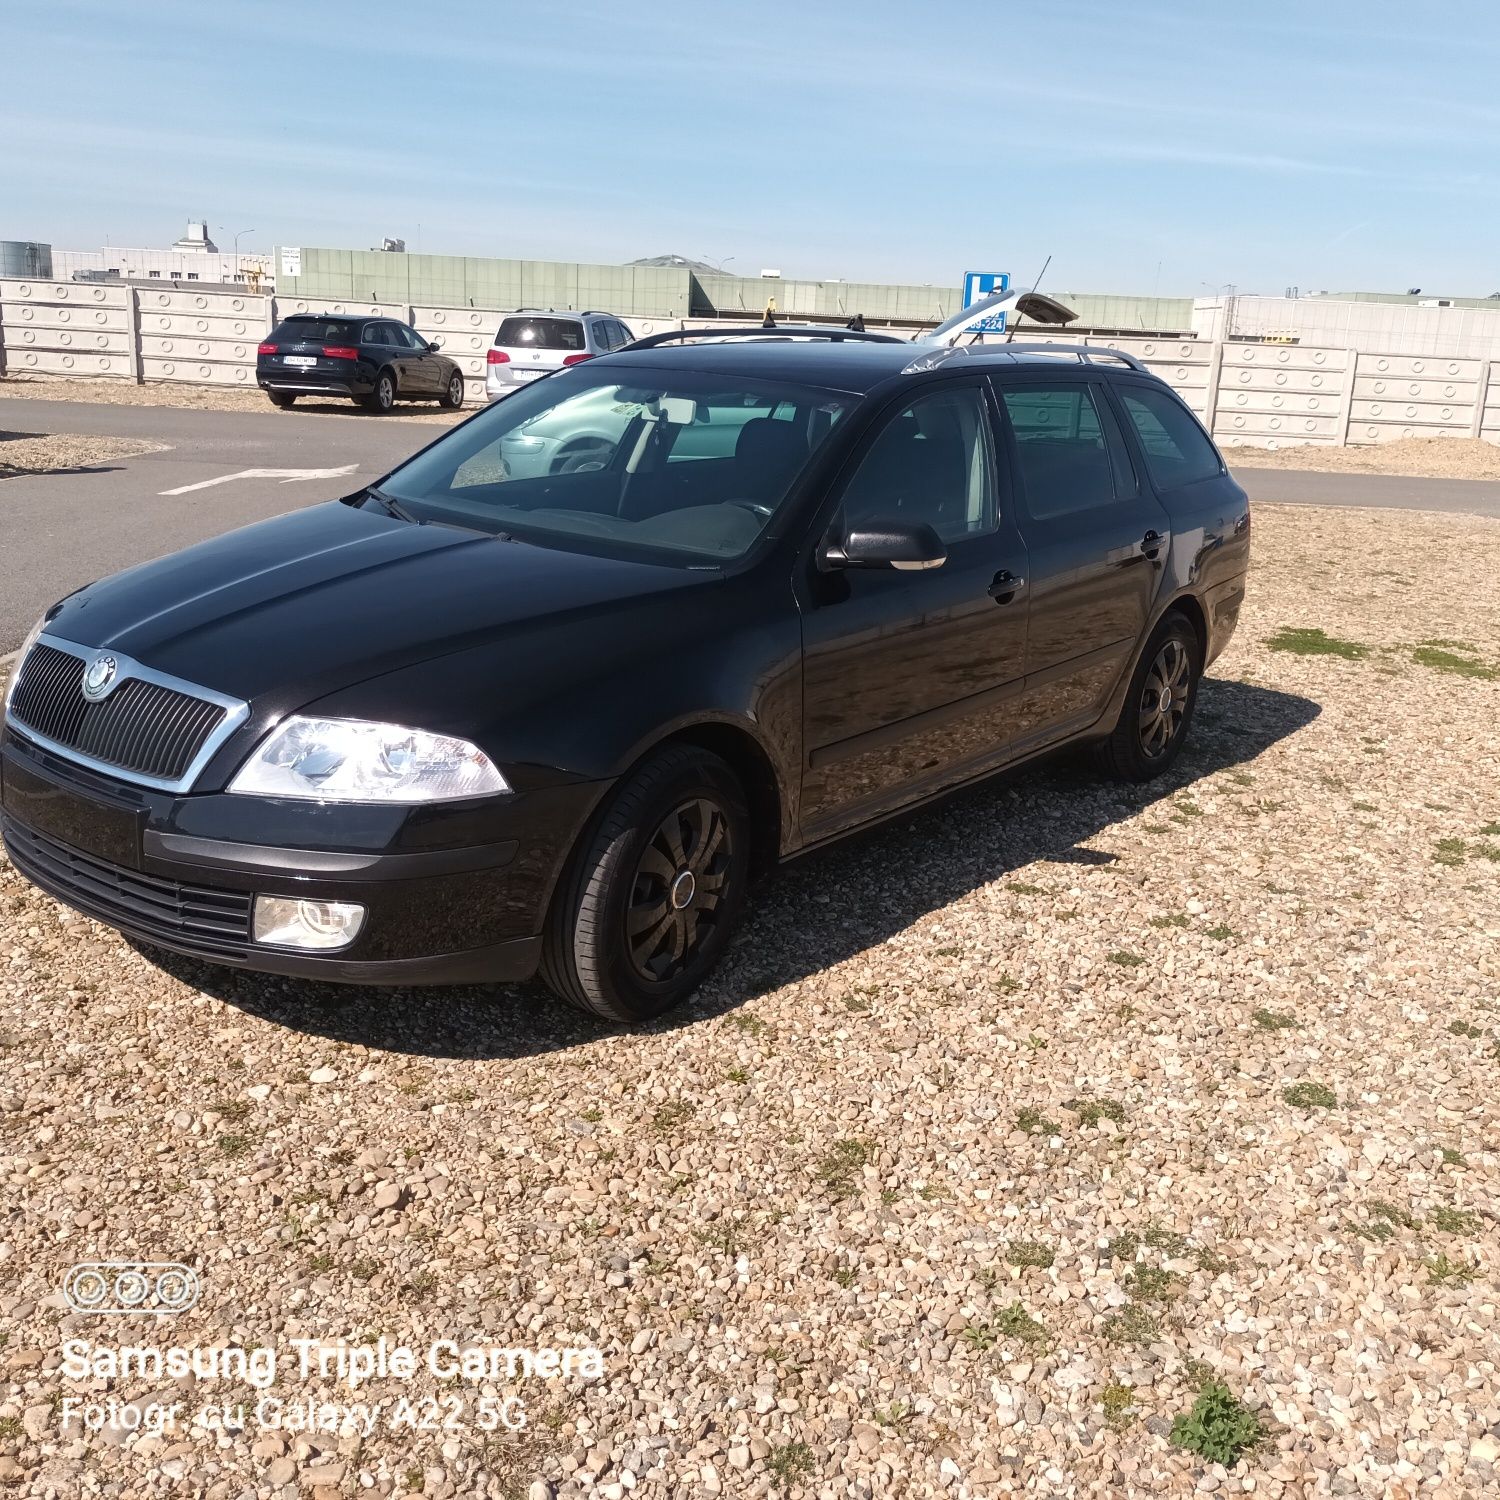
(237, 251)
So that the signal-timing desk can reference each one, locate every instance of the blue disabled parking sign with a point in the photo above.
(981, 284)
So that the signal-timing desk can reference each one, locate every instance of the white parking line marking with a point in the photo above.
(285, 476)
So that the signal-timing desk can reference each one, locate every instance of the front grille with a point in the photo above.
(195, 915)
(143, 727)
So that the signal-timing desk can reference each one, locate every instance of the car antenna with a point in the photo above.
(1010, 333)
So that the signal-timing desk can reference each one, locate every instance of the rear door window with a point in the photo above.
(1176, 448)
(1065, 460)
(540, 333)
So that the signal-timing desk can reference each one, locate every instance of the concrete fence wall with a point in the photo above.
(1266, 395)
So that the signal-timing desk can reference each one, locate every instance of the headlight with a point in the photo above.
(15, 671)
(354, 760)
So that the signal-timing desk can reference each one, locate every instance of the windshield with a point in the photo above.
(671, 467)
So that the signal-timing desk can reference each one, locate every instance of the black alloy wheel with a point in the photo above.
(654, 891)
(1158, 707)
(1164, 698)
(679, 882)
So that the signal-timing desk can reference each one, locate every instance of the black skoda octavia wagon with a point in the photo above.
(554, 690)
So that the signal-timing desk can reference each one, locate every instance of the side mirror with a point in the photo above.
(908, 546)
(433, 345)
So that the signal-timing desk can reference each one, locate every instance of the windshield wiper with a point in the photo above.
(395, 507)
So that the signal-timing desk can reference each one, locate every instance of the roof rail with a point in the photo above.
(776, 331)
(1085, 355)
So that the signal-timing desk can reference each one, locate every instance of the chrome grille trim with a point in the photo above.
(149, 741)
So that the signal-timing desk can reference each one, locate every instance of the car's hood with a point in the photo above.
(329, 596)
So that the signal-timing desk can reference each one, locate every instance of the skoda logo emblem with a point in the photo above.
(100, 677)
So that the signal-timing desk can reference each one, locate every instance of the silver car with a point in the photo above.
(530, 343)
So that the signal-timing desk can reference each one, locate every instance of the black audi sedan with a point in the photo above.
(376, 362)
(552, 692)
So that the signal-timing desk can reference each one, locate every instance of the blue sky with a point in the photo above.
(1144, 144)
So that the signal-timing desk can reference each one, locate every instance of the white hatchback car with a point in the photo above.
(531, 343)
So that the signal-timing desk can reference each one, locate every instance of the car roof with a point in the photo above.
(342, 317)
(850, 365)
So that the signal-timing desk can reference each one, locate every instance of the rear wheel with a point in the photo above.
(383, 397)
(1158, 706)
(655, 891)
(283, 399)
(453, 393)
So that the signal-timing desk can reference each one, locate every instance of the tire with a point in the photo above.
(626, 873)
(1149, 735)
(383, 397)
(453, 393)
(283, 399)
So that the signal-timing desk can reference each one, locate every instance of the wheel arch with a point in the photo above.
(1190, 607)
(740, 749)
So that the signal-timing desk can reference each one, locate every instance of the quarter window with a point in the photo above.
(1177, 450)
(1064, 458)
(931, 462)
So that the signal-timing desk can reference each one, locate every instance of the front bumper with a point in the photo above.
(178, 871)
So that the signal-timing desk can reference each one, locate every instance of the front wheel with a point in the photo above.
(453, 394)
(383, 397)
(1158, 706)
(655, 892)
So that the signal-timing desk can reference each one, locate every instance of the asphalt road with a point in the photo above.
(59, 531)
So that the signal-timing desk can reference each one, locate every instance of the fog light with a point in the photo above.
(289, 922)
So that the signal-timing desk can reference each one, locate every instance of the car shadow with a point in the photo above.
(11, 471)
(817, 911)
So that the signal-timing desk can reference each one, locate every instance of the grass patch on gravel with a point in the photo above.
(1435, 654)
(1447, 1272)
(1091, 1111)
(1028, 1253)
(1453, 1220)
(1011, 1322)
(1315, 642)
(789, 1464)
(1132, 1325)
(1033, 1122)
(1275, 1020)
(1119, 1406)
(1310, 1096)
(838, 1169)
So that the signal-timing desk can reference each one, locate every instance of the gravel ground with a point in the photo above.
(1006, 1131)
(52, 453)
(1428, 458)
(203, 398)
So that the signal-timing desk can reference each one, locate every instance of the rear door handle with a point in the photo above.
(1005, 586)
(1151, 543)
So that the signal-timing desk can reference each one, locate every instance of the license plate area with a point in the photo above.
(301, 361)
(104, 829)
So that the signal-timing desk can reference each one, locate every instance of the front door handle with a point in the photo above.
(1005, 586)
(1151, 543)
